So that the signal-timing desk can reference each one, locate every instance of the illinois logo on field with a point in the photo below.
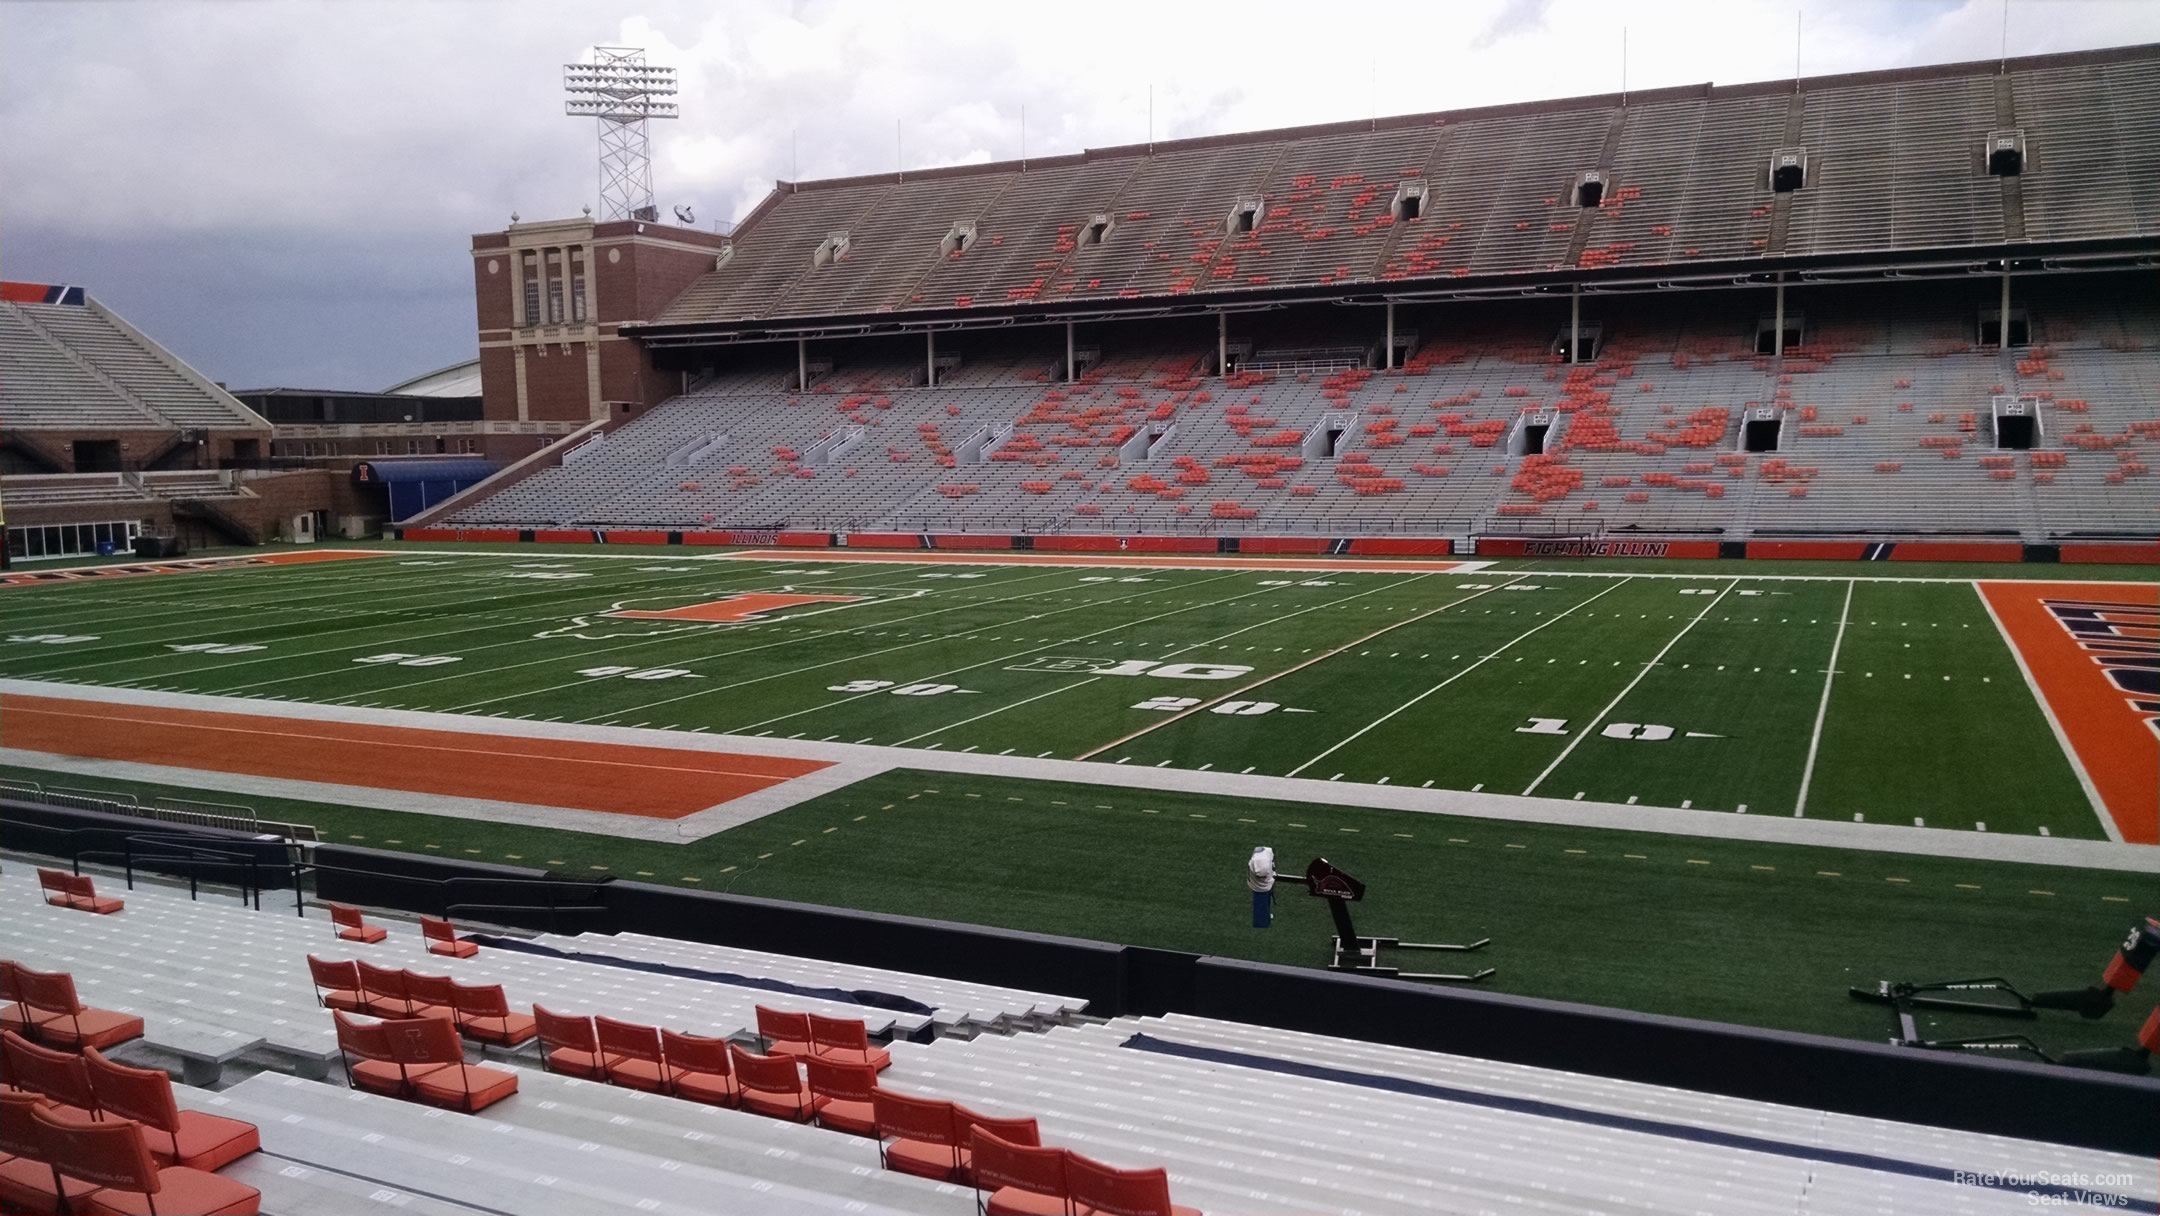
(659, 616)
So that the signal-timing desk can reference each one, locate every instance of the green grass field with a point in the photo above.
(1701, 691)
(1510, 679)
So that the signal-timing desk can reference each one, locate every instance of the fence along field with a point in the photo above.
(1715, 692)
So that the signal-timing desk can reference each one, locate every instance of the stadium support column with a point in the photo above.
(802, 365)
(1574, 325)
(1777, 321)
(1069, 376)
(2002, 315)
(1222, 344)
(930, 358)
(1387, 341)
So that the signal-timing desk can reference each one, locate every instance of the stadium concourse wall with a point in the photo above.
(2108, 553)
(1993, 1096)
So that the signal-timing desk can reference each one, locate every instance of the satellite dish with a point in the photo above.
(683, 215)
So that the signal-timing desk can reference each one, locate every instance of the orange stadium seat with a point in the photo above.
(350, 926)
(442, 938)
(113, 1157)
(630, 1055)
(568, 1045)
(772, 1085)
(188, 1138)
(1022, 1179)
(698, 1068)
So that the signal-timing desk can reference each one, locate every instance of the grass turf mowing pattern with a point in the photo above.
(1760, 934)
(1417, 679)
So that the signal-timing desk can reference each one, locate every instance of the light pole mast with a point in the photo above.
(621, 90)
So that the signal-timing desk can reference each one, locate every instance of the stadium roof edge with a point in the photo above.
(2147, 50)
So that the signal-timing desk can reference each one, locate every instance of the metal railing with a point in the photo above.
(226, 816)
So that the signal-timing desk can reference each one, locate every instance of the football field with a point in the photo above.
(1857, 694)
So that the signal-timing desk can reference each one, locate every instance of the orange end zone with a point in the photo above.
(2087, 646)
(79, 574)
(651, 782)
(1163, 562)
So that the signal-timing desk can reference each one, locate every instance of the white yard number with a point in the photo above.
(211, 648)
(1698, 591)
(1168, 704)
(1648, 732)
(1245, 709)
(55, 639)
(636, 673)
(411, 660)
(1523, 587)
(904, 690)
(1174, 671)
(1544, 726)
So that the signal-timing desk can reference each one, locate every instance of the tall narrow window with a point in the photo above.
(530, 285)
(555, 289)
(577, 285)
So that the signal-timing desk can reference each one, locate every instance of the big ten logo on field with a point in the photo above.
(1066, 665)
(691, 612)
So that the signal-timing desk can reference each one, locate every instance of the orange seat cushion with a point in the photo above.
(340, 998)
(180, 1190)
(19, 1017)
(502, 1032)
(100, 1028)
(923, 1159)
(366, 935)
(571, 1062)
(1012, 1201)
(788, 1047)
(632, 1073)
(478, 1089)
(854, 1118)
(27, 1186)
(453, 949)
(206, 1142)
(382, 1077)
(797, 1107)
(711, 1088)
(875, 1057)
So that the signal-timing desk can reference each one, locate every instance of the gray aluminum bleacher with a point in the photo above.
(147, 373)
(43, 388)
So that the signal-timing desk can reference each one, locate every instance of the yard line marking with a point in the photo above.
(1450, 680)
(1655, 659)
(1209, 704)
(995, 712)
(1822, 709)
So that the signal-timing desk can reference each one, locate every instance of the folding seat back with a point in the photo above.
(917, 1136)
(698, 1069)
(337, 984)
(83, 896)
(631, 1054)
(367, 1043)
(837, 1034)
(784, 1033)
(141, 1094)
(60, 1076)
(383, 988)
(429, 993)
(442, 938)
(483, 1015)
(428, 1052)
(176, 1137)
(771, 1085)
(418, 1042)
(54, 885)
(1008, 1172)
(1020, 1131)
(112, 1155)
(71, 1023)
(14, 1014)
(26, 1181)
(1096, 1187)
(840, 1094)
(18, 1133)
(568, 1045)
(350, 926)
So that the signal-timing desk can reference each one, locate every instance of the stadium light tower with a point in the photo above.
(621, 90)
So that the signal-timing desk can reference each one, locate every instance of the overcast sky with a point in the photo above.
(283, 193)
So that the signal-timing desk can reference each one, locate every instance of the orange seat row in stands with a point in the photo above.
(75, 892)
(1012, 1171)
(440, 935)
(479, 1012)
(83, 1135)
(418, 1059)
(42, 1006)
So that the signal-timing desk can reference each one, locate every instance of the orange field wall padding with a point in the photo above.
(1808, 550)
(561, 536)
(1076, 544)
(1284, 544)
(1955, 551)
(1514, 546)
(1170, 544)
(884, 540)
(970, 540)
(1378, 546)
(2122, 555)
(637, 537)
